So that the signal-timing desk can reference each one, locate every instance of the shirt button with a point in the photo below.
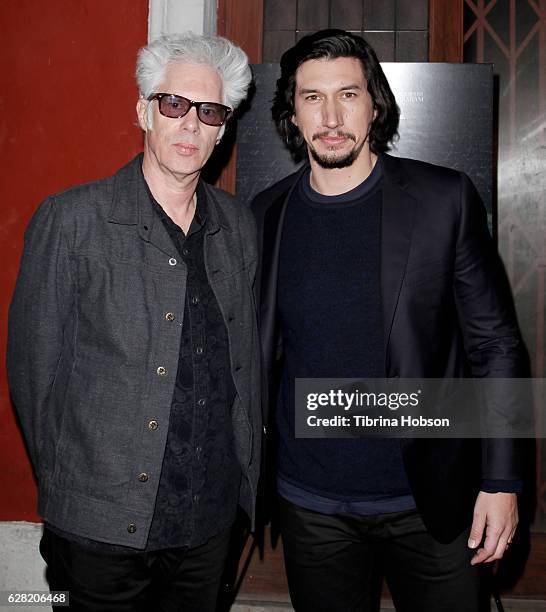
(198, 450)
(143, 477)
(131, 528)
(170, 316)
(153, 425)
(199, 350)
(196, 498)
(185, 252)
(172, 261)
(195, 300)
(161, 371)
(202, 402)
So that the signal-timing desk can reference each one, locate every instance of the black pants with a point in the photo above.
(329, 561)
(164, 581)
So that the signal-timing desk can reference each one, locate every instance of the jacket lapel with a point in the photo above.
(150, 227)
(271, 242)
(131, 206)
(397, 215)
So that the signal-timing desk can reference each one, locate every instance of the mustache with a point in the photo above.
(336, 133)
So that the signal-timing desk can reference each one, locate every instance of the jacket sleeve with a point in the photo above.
(492, 339)
(41, 302)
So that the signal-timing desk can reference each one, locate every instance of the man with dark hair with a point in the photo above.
(371, 267)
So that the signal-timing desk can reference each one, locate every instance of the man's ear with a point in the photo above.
(141, 109)
(294, 120)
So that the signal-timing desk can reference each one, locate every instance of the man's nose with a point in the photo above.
(190, 120)
(332, 116)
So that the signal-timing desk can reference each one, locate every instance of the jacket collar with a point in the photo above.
(131, 203)
(392, 169)
(216, 216)
(129, 191)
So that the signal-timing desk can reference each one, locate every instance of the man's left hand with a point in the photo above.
(496, 514)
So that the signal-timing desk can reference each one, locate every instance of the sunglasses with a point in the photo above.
(174, 107)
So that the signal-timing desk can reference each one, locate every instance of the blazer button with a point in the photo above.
(161, 371)
(131, 528)
(172, 261)
(143, 477)
(153, 425)
(170, 316)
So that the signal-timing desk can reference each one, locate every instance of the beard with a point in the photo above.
(331, 159)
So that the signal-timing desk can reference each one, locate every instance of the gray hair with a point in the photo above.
(222, 55)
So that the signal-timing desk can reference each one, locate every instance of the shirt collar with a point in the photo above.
(199, 219)
(131, 203)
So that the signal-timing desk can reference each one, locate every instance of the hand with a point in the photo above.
(497, 515)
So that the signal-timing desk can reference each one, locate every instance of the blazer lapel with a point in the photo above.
(397, 214)
(271, 243)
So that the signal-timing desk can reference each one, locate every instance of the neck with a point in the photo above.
(334, 181)
(175, 194)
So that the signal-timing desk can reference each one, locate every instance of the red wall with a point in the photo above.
(67, 115)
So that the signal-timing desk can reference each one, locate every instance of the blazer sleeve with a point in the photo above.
(493, 343)
(40, 305)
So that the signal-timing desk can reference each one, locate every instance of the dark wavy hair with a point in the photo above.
(331, 44)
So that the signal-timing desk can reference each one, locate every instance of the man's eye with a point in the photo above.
(312, 97)
(349, 94)
(174, 105)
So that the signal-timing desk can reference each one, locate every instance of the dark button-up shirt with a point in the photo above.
(198, 488)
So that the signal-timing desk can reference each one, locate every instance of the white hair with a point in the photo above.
(222, 55)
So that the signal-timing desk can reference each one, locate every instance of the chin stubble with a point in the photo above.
(333, 161)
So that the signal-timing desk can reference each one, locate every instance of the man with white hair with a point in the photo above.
(133, 352)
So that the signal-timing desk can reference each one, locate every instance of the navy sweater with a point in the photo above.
(330, 309)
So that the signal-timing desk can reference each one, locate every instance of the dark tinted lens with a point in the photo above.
(173, 106)
(212, 113)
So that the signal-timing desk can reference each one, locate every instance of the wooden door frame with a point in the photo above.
(242, 22)
(445, 31)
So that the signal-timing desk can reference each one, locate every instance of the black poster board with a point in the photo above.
(446, 119)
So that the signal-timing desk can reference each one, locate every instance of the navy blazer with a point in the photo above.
(447, 313)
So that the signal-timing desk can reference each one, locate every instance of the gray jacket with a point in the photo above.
(94, 337)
